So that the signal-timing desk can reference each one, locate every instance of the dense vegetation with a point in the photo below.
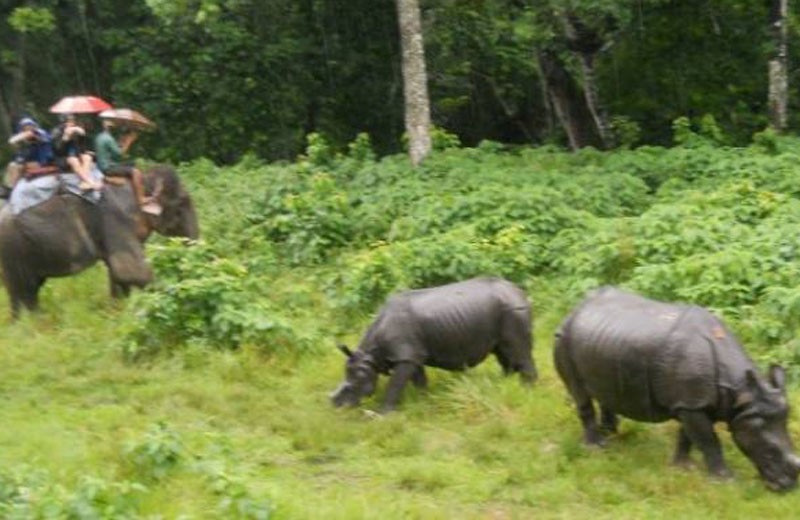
(206, 395)
(223, 77)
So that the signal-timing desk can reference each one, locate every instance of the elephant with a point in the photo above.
(67, 234)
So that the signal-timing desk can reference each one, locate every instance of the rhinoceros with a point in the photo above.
(452, 327)
(653, 361)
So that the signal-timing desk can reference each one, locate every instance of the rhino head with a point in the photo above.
(361, 378)
(759, 429)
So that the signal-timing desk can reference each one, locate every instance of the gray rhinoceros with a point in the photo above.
(452, 327)
(653, 361)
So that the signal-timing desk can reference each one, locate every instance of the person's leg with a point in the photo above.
(137, 180)
(87, 164)
(76, 165)
(13, 174)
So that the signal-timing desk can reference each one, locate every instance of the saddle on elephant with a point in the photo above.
(33, 169)
(41, 183)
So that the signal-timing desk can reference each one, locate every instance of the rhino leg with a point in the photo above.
(419, 378)
(401, 373)
(699, 430)
(682, 448)
(579, 393)
(608, 420)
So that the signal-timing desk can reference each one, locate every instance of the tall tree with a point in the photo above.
(587, 42)
(415, 81)
(778, 67)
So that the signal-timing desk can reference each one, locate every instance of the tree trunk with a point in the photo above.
(6, 123)
(592, 96)
(778, 75)
(586, 43)
(568, 103)
(415, 81)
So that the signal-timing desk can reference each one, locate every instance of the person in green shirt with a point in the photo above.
(109, 154)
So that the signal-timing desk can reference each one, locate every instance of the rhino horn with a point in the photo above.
(346, 351)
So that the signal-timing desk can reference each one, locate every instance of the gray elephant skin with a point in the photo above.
(653, 361)
(452, 327)
(67, 234)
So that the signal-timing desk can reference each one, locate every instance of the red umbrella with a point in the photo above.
(79, 105)
(128, 117)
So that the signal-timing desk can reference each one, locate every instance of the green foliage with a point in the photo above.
(33, 494)
(203, 297)
(310, 218)
(627, 131)
(248, 435)
(156, 455)
(236, 500)
(32, 20)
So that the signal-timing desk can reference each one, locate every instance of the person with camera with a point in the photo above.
(69, 139)
(34, 154)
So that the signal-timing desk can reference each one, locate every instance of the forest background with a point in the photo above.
(223, 77)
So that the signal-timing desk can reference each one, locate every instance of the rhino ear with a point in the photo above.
(346, 351)
(777, 376)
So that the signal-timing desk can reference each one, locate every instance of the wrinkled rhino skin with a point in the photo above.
(452, 327)
(653, 361)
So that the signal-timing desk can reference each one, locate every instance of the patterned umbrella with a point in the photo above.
(79, 105)
(128, 117)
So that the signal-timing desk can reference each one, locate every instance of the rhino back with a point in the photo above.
(647, 359)
(453, 326)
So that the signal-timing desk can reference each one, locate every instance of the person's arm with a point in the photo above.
(20, 137)
(127, 140)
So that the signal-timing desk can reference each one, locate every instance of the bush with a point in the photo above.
(204, 298)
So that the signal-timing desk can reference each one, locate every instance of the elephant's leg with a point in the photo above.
(119, 290)
(24, 293)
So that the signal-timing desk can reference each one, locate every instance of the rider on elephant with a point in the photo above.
(109, 160)
(34, 153)
(69, 139)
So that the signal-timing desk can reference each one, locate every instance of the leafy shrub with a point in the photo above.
(33, 494)
(154, 457)
(202, 297)
(309, 219)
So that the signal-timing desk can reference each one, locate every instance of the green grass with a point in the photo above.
(242, 433)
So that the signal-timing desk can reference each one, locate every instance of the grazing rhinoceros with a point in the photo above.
(653, 361)
(452, 327)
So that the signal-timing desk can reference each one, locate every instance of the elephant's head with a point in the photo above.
(178, 217)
